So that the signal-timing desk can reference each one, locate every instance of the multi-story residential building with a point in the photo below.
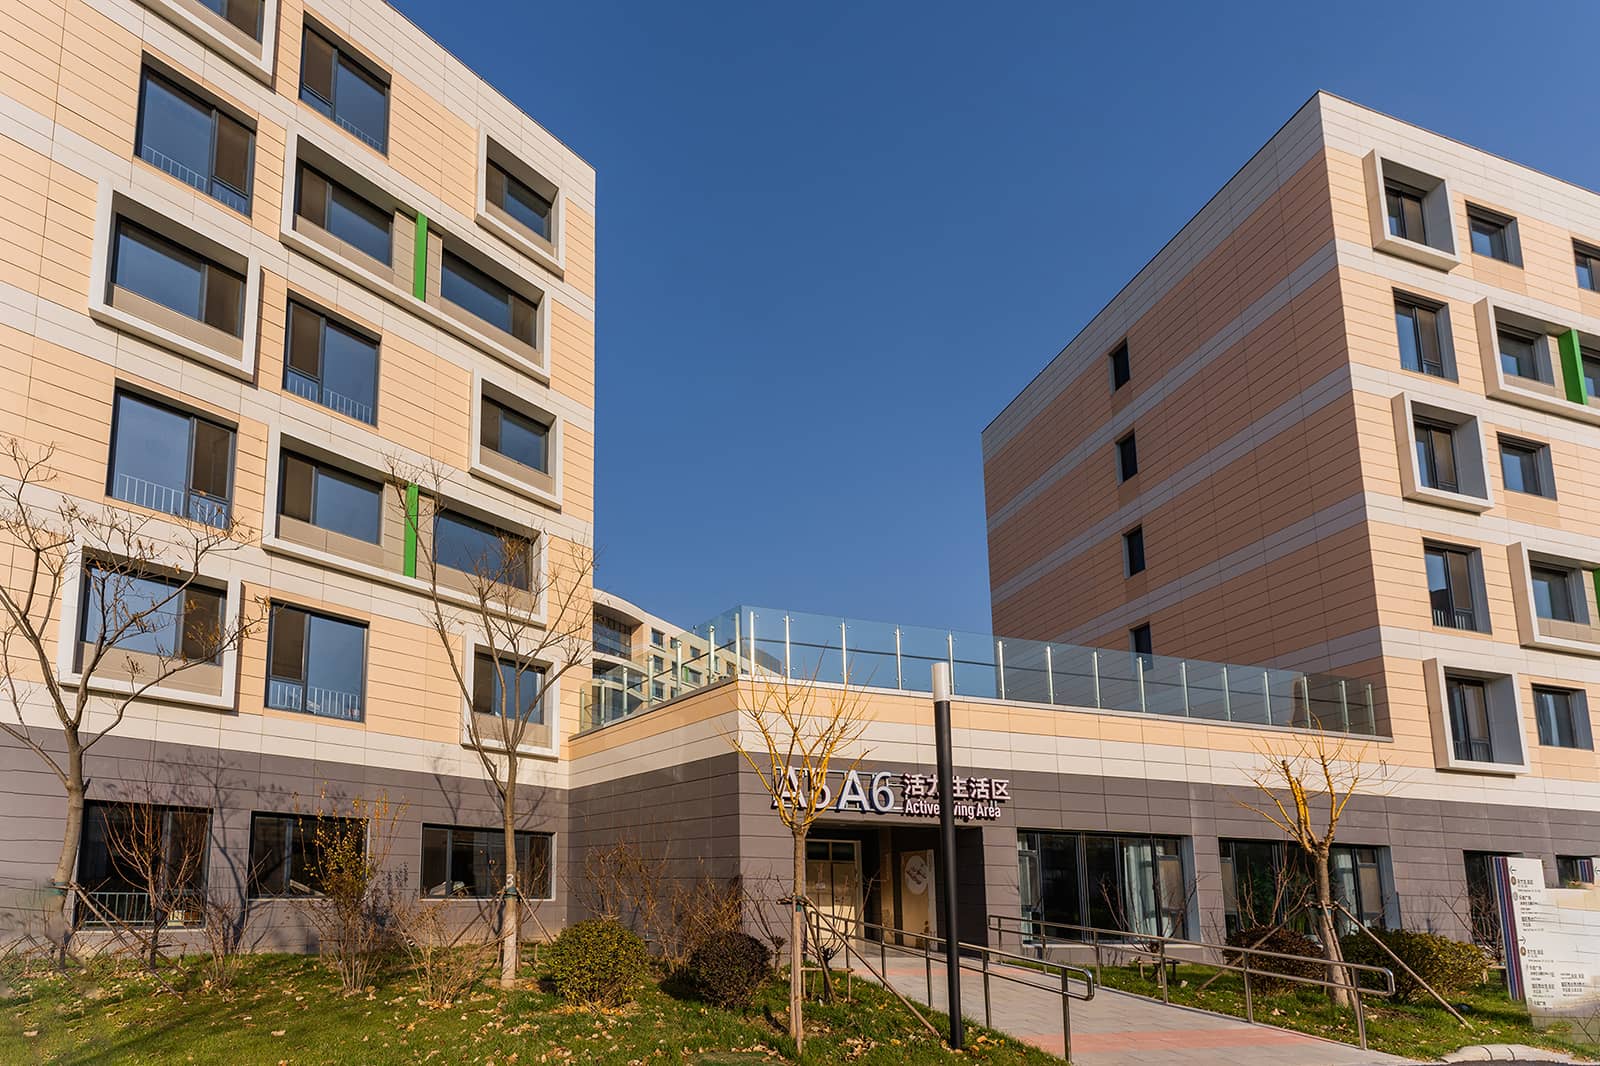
(258, 257)
(1345, 422)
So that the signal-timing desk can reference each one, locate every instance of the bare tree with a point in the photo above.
(148, 616)
(1320, 777)
(800, 731)
(531, 624)
(161, 850)
(352, 908)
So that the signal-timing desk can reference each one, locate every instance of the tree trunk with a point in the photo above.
(797, 954)
(510, 899)
(1328, 933)
(57, 914)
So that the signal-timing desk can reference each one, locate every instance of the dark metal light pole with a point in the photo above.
(947, 848)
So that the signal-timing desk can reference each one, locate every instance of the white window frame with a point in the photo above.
(1549, 397)
(1436, 205)
(475, 643)
(1533, 631)
(202, 25)
(1505, 718)
(1470, 449)
(552, 257)
(507, 395)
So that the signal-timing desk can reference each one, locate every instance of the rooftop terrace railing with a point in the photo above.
(764, 642)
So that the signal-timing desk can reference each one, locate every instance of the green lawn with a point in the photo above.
(1416, 1030)
(287, 1009)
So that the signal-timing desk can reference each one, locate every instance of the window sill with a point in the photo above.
(549, 497)
(1544, 640)
(541, 252)
(232, 364)
(1455, 500)
(1536, 397)
(219, 701)
(1497, 769)
(253, 57)
(1425, 254)
(384, 286)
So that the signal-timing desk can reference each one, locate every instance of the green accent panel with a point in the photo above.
(413, 509)
(1595, 576)
(419, 269)
(1572, 366)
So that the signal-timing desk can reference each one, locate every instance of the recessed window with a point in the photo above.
(1139, 642)
(1133, 551)
(123, 844)
(1451, 587)
(527, 207)
(611, 636)
(344, 215)
(1558, 594)
(1493, 235)
(1127, 458)
(1469, 719)
(341, 87)
(286, 852)
(331, 364)
(330, 499)
(477, 548)
(1520, 354)
(507, 688)
(486, 298)
(658, 638)
(242, 15)
(1563, 716)
(150, 266)
(170, 461)
(1588, 260)
(1406, 217)
(1120, 369)
(1419, 330)
(316, 664)
(1436, 456)
(195, 142)
(1525, 467)
(516, 436)
(144, 614)
(462, 863)
(1590, 360)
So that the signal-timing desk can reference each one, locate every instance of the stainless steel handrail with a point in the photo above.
(1153, 945)
(930, 947)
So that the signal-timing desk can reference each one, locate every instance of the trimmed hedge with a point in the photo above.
(596, 963)
(1283, 941)
(1448, 965)
(728, 968)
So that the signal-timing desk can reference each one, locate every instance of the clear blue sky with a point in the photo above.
(836, 240)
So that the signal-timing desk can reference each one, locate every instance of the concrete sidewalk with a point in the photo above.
(1114, 1028)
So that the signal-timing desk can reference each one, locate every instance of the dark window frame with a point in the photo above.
(294, 824)
(474, 276)
(489, 404)
(1495, 227)
(160, 242)
(347, 58)
(1460, 585)
(1121, 366)
(1539, 453)
(1427, 432)
(1127, 448)
(96, 834)
(245, 198)
(1586, 259)
(486, 668)
(326, 322)
(1087, 897)
(499, 174)
(1398, 192)
(1415, 308)
(333, 189)
(444, 513)
(275, 612)
(493, 841)
(179, 601)
(1573, 593)
(1471, 744)
(222, 9)
(1577, 733)
(320, 467)
(212, 510)
(1133, 560)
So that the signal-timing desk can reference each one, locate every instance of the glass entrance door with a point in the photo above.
(833, 881)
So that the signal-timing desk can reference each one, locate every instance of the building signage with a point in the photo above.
(915, 795)
(1552, 940)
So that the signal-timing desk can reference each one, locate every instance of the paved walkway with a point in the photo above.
(1114, 1028)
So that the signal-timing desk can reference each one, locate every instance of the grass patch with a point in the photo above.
(1416, 1030)
(288, 1009)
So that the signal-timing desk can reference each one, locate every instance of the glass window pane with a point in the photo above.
(515, 436)
(1405, 325)
(1521, 469)
(519, 201)
(298, 479)
(212, 460)
(157, 270)
(361, 105)
(335, 665)
(269, 843)
(1552, 594)
(150, 456)
(435, 861)
(516, 691)
(305, 341)
(288, 640)
(131, 612)
(1416, 226)
(1518, 356)
(474, 291)
(354, 220)
(1460, 581)
(175, 133)
(224, 302)
(316, 71)
(472, 547)
(202, 625)
(1591, 375)
(345, 504)
(312, 197)
(349, 373)
(232, 163)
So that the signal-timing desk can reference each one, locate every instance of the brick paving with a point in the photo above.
(1114, 1028)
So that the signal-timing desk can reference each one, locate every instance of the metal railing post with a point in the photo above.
(1165, 997)
(927, 970)
(1049, 675)
(677, 666)
(950, 652)
(899, 669)
(1361, 1014)
(1066, 1016)
(987, 1020)
(1344, 703)
(1266, 694)
(1249, 1000)
(1000, 665)
(738, 647)
(711, 649)
(844, 657)
(1143, 707)
(1227, 697)
(1094, 662)
(788, 661)
(1183, 680)
(1305, 698)
(752, 645)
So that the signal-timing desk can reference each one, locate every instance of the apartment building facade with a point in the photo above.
(1345, 422)
(267, 264)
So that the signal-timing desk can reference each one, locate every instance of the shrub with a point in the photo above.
(1448, 965)
(1283, 941)
(596, 963)
(728, 968)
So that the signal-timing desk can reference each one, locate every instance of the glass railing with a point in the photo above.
(763, 642)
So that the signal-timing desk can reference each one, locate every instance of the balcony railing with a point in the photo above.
(1455, 618)
(309, 699)
(761, 642)
(189, 176)
(195, 506)
(105, 909)
(308, 388)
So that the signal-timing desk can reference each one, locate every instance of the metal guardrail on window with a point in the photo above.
(196, 506)
(371, 141)
(992, 964)
(189, 176)
(106, 909)
(1165, 950)
(309, 699)
(1455, 618)
(308, 388)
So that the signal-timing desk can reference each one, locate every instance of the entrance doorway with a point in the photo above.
(833, 881)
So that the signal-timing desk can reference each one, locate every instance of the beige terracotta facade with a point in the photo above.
(76, 162)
